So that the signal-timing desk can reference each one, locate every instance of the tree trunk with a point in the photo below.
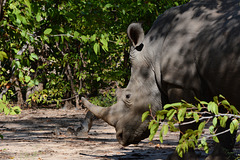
(68, 72)
(1, 9)
(69, 75)
(20, 100)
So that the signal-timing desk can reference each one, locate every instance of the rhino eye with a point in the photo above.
(139, 47)
(128, 96)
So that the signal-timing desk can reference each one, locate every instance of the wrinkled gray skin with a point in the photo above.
(191, 50)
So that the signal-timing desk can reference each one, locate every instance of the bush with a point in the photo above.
(203, 113)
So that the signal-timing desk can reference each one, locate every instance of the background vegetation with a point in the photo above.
(52, 52)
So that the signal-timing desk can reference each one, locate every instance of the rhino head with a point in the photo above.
(135, 99)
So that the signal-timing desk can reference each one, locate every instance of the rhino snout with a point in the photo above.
(121, 137)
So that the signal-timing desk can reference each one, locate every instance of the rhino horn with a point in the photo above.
(100, 112)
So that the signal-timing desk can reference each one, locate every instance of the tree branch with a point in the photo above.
(12, 79)
(69, 75)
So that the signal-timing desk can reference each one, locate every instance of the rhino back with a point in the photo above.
(197, 46)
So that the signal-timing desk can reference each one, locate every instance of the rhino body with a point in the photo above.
(191, 51)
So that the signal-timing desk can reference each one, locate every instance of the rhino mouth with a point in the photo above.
(126, 138)
(129, 128)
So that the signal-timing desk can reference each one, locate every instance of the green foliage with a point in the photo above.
(41, 41)
(7, 109)
(105, 99)
(187, 113)
(2, 55)
(44, 97)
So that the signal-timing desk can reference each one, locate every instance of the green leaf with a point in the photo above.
(46, 38)
(234, 110)
(107, 6)
(98, 79)
(213, 107)
(22, 19)
(204, 144)
(105, 44)
(27, 3)
(75, 35)
(23, 33)
(124, 11)
(223, 121)
(145, 115)
(6, 111)
(225, 102)
(38, 17)
(233, 126)
(199, 107)
(85, 39)
(151, 136)
(211, 129)
(2, 55)
(196, 116)
(215, 121)
(215, 99)
(171, 113)
(216, 139)
(96, 48)
(206, 149)
(151, 123)
(31, 83)
(165, 129)
(153, 130)
(161, 135)
(166, 106)
(238, 138)
(204, 103)
(221, 96)
(4, 98)
(93, 37)
(27, 78)
(33, 56)
(20, 76)
(181, 114)
(15, 110)
(189, 115)
(48, 31)
(201, 126)
(2, 106)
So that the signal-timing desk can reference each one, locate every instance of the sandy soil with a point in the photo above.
(33, 135)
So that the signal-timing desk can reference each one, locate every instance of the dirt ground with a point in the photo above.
(32, 135)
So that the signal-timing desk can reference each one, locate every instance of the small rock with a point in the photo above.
(57, 131)
(70, 131)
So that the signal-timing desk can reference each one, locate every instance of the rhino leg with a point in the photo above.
(176, 94)
(190, 155)
(223, 150)
(173, 94)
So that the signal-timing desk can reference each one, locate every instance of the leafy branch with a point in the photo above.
(6, 108)
(184, 113)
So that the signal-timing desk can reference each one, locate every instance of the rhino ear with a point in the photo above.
(135, 33)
